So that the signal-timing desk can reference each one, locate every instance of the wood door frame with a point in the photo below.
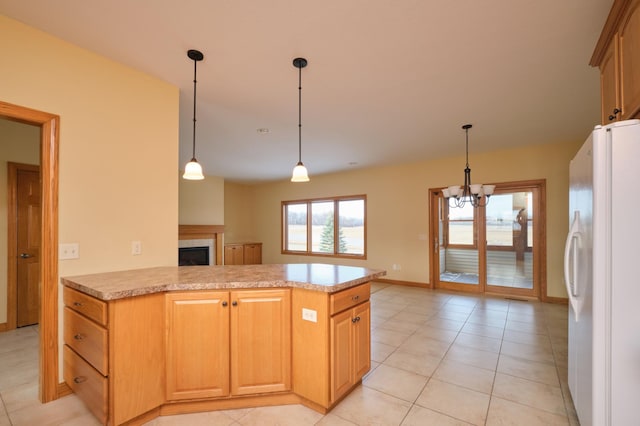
(540, 261)
(48, 330)
(12, 237)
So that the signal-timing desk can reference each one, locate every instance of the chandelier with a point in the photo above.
(475, 194)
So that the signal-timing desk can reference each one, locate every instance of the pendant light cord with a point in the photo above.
(300, 114)
(467, 137)
(195, 70)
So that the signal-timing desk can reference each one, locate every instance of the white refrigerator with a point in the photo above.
(602, 275)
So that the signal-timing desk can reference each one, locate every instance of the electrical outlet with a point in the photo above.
(69, 251)
(309, 315)
(136, 248)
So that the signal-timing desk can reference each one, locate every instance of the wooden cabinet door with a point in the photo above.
(197, 344)
(252, 254)
(350, 348)
(362, 341)
(233, 254)
(260, 341)
(341, 353)
(609, 84)
(629, 39)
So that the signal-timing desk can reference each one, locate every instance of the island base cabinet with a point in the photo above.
(87, 383)
(260, 341)
(197, 344)
(225, 344)
(331, 343)
(350, 343)
(114, 361)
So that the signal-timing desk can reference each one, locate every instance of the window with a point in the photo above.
(309, 227)
(462, 225)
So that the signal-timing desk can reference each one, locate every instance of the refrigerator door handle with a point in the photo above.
(571, 256)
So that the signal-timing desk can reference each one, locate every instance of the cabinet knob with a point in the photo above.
(234, 303)
(615, 113)
(354, 320)
(79, 379)
(78, 336)
(77, 304)
(224, 303)
(356, 297)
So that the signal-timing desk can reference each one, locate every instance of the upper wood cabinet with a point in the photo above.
(617, 54)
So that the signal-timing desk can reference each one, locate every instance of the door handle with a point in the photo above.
(25, 255)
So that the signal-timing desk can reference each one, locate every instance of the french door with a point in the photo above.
(498, 248)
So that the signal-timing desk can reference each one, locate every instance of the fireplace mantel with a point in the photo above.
(195, 232)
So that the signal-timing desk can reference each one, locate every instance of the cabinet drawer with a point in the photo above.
(90, 386)
(347, 298)
(87, 338)
(86, 305)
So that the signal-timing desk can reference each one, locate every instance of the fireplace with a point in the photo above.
(211, 236)
(196, 252)
(193, 256)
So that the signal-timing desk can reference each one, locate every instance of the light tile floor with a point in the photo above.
(438, 358)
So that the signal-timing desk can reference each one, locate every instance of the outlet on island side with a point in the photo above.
(309, 315)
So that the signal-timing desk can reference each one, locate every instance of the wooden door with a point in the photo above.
(197, 344)
(260, 341)
(28, 245)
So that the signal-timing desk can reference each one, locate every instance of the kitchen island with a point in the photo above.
(169, 340)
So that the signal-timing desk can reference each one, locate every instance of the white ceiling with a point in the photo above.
(388, 81)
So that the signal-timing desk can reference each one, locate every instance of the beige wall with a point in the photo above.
(239, 213)
(397, 206)
(19, 143)
(118, 148)
(201, 202)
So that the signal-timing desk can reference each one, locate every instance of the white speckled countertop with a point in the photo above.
(312, 276)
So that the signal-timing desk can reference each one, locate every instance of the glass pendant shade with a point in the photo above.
(193, 170)
(300, 173)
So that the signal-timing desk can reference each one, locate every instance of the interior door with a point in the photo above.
(28, 245)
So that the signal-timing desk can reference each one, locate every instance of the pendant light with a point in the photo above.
(469, 193)
(300, 171)
(193, 169)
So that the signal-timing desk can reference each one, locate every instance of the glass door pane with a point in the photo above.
(459, 248)
(509, 231)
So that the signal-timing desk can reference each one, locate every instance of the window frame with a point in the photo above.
(309, 227)
(447, 221)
